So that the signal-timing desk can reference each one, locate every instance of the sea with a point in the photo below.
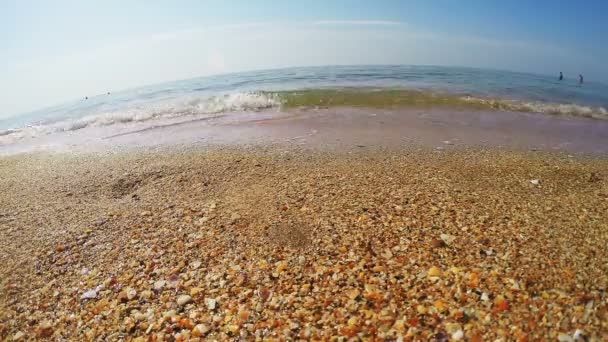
(388, 86)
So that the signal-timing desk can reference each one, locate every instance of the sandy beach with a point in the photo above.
(280, 242)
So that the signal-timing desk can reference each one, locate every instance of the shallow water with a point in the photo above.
(251, 96)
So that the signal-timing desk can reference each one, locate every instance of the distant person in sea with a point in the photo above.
(580, 78)
(561, 76)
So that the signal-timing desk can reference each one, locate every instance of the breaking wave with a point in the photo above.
(210, 106)
(308, 98)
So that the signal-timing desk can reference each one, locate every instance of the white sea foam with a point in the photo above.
(541, 107)
(215, 105)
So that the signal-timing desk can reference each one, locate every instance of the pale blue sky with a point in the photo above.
(55, 51)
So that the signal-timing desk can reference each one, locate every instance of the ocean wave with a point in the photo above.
(403, 98)
(305, 98)
(540, 107)
(191, 106)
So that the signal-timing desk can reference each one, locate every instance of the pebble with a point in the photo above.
(447, 238)
(458, 335)
(434, 272)
(200, 330)
(535, 182)
(211, 303)
(183, 300)
(159, 285)
(18, 335)
(90, 294)
(578, 335)
(146, 294)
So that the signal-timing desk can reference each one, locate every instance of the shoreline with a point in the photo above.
(339, 129)
(290, 241)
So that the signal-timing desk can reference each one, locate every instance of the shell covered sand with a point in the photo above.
(274, 244)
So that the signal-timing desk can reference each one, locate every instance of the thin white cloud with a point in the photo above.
(359, 22)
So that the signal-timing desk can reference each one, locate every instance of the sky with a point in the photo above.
(56, 51)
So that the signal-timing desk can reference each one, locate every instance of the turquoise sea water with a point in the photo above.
(354, 85)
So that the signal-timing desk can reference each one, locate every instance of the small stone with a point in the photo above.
(564, 338)
(90, 294)
(579, 335)
(146, 213)
(484, 297)
(131, 293)
(211, 303)
(45, 329)
(195, 291)
(434, 272)
(452, 328)
(183, 300)
(146, 294)
(159, 285)
(281, 267)
(18, 335)
(437, 243)
(195, 265)
(234, 217)
(200, 330)
(354, 293)
(501, 304)
(535, 182)
(421, 309)
(185, 323)
(447, 238)
(60, 248)
(458, 335)
(170, 313)
(388, 254)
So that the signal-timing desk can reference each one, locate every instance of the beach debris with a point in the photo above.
(448, 142)
(535, 182)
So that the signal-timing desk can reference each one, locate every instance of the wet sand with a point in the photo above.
(283, 242)
(341, 129)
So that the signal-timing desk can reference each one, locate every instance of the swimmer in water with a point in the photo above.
(580, 79)
(561, 76)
